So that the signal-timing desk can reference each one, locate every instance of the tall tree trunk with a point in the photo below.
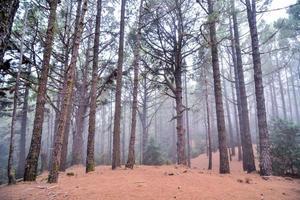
(227, 107)
(77, 146)
(35, 146)
(64, 150)
(208, 125)
(22, 151)
(237, 112)
(187, 122)
(116, 160)
(56, 155)
(10, 166)
(8, 9)
(264, 147)
(248, 156)
(224, 162)
(90, 160)
(131, 152)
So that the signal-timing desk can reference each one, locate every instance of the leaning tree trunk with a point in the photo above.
(264, 146)
(224, 162)
(8, 9)
(56, 155)
(116, 157)
(131, 152)
(35, 146)
(248, 156)
(90, 161)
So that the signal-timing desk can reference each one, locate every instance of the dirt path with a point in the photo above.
(164, 182)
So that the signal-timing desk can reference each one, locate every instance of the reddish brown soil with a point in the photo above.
(164, 182)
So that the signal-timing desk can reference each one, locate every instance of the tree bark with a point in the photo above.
(10, 166)
(116, 160)
(264, 147)
(90, 160)
(224, 162)
(56, 155)
(237, 112)
(248, 156)
(208, 125)
(131, 152)
(35, 146)
(187, 123)
(22, 152)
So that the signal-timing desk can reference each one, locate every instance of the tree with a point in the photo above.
(90, 165)
(116, 160)
(35, 146)
(264, 147)
(131, 153)
(224, 162)
(248, 156)
(56, 155)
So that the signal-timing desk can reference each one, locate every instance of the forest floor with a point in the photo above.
(157, 182)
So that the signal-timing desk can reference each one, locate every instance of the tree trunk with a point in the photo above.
(90, 160)
(248, 156)
(224, 162)
(35, 146)
(63, 160)
(10, 167)
(8, 9)
(116, 160)
(22, 152)
(56, 155)
(237, 112)
(187, 123)
(131, 152)
(231, 140)
(264, 147)
(208, 125)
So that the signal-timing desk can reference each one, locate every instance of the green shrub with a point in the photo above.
(153, 155)
(285, 147)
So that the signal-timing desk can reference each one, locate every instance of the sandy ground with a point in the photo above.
(164, 182)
